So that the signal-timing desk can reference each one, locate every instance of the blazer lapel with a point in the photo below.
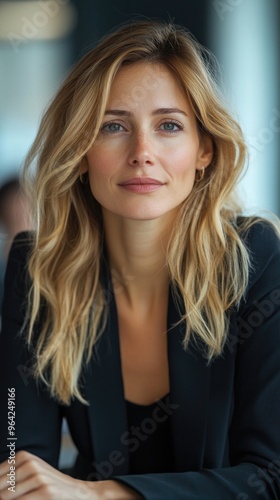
(105, 392)
(189, 395)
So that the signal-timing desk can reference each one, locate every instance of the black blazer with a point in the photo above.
(225, 416)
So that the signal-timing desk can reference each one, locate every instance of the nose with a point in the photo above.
(141, 150)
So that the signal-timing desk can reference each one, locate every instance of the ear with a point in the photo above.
(84, 165)
(205, 153)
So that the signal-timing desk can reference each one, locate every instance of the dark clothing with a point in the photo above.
(149, 439)
(2, 274)
(224, 416)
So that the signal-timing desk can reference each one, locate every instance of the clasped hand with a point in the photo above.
(34, 479)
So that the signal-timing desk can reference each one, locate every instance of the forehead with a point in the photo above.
(138, 83)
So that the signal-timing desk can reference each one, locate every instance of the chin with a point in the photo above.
(143, 212)
(146, 215)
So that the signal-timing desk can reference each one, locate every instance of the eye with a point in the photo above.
(171, 126)
(112, 127)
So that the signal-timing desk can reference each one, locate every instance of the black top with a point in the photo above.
(150, 448)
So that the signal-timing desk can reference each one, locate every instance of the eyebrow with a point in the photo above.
(159, 111)
(167, 111)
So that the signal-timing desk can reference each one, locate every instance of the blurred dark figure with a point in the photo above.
(14, 217)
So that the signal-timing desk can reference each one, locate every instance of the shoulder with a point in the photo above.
(16, 283)
(262, 241)
(19, 253)
(260, 236)
(21, 245)
(252, 229)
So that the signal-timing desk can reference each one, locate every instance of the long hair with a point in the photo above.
(207, 259)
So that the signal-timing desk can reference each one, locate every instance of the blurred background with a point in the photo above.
(41, 39)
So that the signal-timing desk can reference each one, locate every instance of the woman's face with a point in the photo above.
(143, 162)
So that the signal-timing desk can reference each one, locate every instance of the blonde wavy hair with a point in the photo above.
(207, 258)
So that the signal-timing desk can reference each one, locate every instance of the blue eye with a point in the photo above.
(171, 126)
(112, 127)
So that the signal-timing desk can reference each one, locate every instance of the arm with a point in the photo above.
(254, 436)
(34, 479)
(37, 417)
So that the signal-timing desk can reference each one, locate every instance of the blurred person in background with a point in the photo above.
(14, 218)
(148, 305)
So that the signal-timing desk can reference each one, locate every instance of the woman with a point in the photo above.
(152, 321)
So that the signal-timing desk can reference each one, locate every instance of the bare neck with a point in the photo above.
(137, 256)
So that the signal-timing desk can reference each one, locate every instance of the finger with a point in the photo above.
(7, 476)
(20, 457)
(4, 467)
(13, 475)
(27, 468)
(34, 496)
(23, 456)
(28, 486)
(33, 475)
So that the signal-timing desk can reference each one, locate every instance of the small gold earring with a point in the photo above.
(200, 174)
(84, 178)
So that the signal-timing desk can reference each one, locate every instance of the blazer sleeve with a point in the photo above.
(36, 416)
(254, 435)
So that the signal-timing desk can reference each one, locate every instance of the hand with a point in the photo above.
(37, 480)
(34, 480)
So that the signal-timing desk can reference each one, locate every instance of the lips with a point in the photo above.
(142, 181)
(141, 185)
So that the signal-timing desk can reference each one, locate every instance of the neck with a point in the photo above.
(137, 256)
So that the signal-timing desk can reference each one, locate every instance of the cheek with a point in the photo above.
(184, 171)
(99, 165)
(184, 165)
(100, 170)
(183, 155)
